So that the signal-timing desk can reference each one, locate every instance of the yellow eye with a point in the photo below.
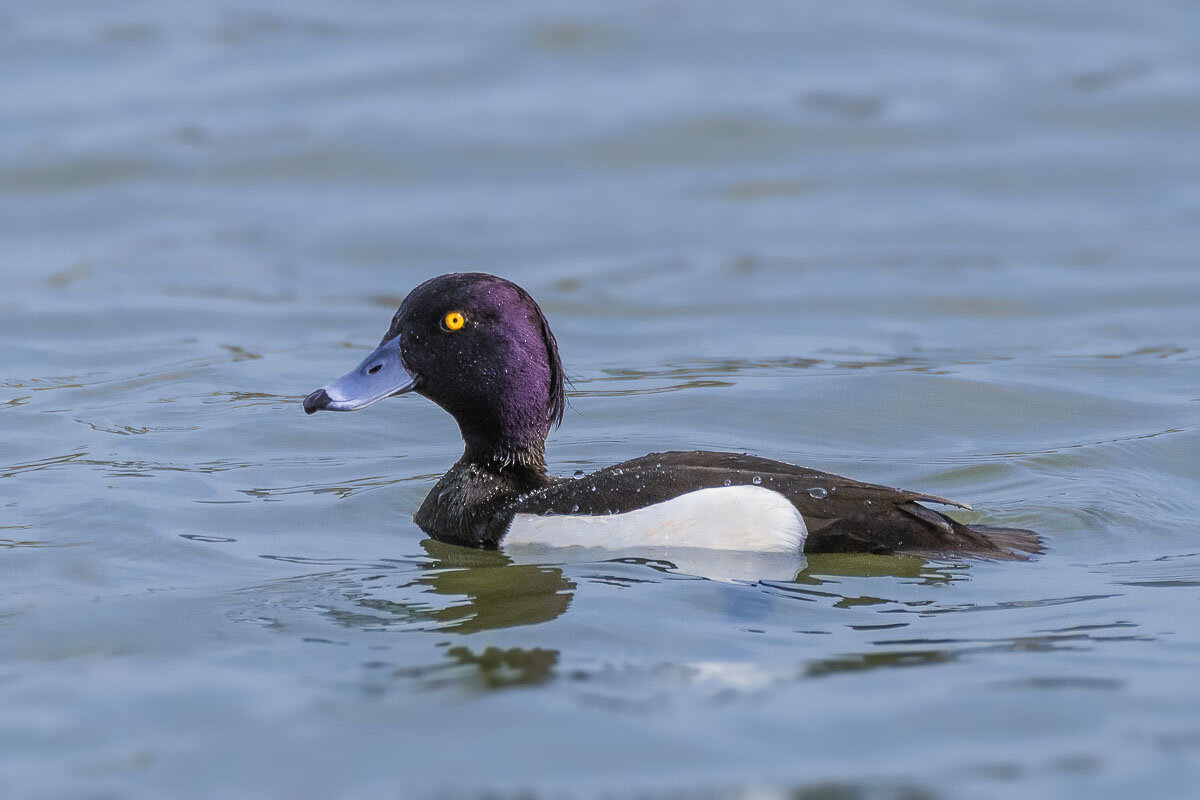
(454, 321)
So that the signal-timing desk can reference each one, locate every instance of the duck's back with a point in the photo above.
(836, 514)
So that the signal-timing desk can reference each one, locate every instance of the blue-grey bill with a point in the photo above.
(380, 375)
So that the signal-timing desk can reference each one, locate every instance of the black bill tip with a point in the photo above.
(316, 401)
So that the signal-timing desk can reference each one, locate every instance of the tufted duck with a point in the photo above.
(480, 347)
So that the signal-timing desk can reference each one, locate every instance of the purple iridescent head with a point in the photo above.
(479, 347)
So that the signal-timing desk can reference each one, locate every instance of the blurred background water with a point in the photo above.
(948, 246)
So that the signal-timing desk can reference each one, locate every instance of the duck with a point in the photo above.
(480, 347)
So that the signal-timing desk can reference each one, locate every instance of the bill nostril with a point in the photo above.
(374, 369)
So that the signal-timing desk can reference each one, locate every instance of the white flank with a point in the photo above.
(748, 518)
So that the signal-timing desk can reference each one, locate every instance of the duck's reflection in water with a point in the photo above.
(927, 572)
(718, 565)
(500, 668)
(491, 590)
(466, 591)
(527, 585)
(485, 590)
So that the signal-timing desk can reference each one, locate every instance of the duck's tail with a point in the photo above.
(981, 540)
(1021, 543)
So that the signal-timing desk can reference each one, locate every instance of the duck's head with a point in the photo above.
(479, 347)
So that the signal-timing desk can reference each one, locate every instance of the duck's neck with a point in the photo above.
(500, 449)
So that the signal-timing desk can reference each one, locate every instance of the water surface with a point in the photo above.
(946, 246)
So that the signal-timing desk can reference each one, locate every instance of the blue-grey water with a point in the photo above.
(946, 246)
